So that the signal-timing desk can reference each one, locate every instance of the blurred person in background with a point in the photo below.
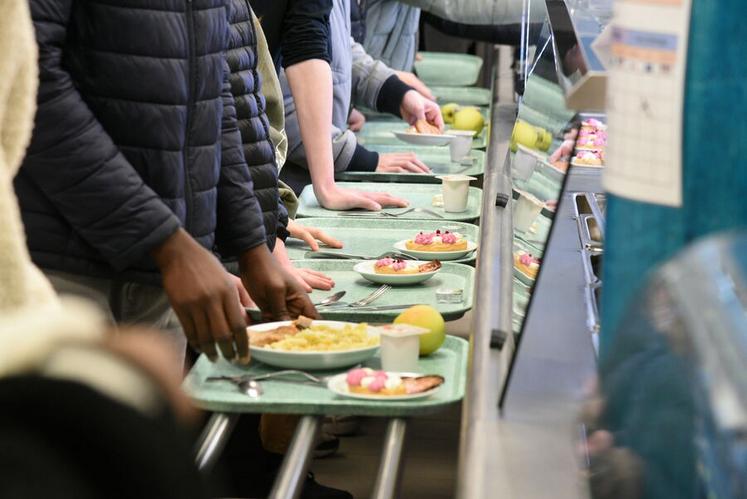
(135, 173)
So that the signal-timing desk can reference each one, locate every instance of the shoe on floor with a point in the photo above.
(328, 445)
(314, 490)
(341, 426)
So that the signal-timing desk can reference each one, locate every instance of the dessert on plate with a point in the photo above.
(527, 263)
(370, 382)
(588, 158)
(422, 126)
(437, 241)
(397, 266)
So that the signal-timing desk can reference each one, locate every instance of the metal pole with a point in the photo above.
(524, 48)
(292, 473)
(213, 439)
(387, 479)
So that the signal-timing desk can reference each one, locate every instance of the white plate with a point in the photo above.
(424, 139)
(435, 255)
(366, 270)
(339, 385)
(311, 360)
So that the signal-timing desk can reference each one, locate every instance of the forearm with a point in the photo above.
(311, 85)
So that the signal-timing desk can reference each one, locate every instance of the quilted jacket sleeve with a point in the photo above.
(75, 163)
(240, 224)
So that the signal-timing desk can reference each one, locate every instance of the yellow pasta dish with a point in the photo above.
(324, 338)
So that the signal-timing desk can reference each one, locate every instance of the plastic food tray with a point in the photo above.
(464, 96)
(362, 236)
(451, 275)
(438, 160)
(380, 133)
(449, 361)
(419, 196)
(444, 68)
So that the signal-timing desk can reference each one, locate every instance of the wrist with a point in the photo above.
(324, 190)
(172, 248)
(257, 258)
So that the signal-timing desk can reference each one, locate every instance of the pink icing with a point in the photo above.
(424, 238)
(384, 262)
(380, 374)
(528, 260)
(448, 238)
(355, 376)
(399, 265)
(593, 123)
(378, 384)
(589, 155)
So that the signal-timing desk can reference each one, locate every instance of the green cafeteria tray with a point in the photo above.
(419, 196)
(451, 275)
(438, 159)
(367, 237)
(381, 133)
(464, 96)
(444, 68)
(374, 116)
(450, 361)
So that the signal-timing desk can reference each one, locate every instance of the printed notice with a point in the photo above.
(645, 98)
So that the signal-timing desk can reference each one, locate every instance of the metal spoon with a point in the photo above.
(331, 299)
(250, 387)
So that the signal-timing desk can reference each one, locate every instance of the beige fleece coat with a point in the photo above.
(32, 319)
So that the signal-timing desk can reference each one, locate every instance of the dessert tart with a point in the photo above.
(588, 158)
(527, 263)
(366, 381)
(422, 126)
(437, 241)
(401, 267)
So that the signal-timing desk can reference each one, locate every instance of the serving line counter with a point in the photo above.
(527, 446)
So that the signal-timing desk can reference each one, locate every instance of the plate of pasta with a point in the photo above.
(310, 344)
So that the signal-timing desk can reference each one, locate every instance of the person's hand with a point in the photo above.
(245, 301)
(336, 198)
(416, 83)
(203, 297)
(401, 162)
(565, 150)
(356, 120)
(276, 292)
(310, 235)
(307, 278)
(415, 107)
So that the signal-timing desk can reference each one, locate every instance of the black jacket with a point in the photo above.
(246, 87)
(135, 136)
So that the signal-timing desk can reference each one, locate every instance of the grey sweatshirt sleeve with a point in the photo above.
(476, 11)
(369, 76)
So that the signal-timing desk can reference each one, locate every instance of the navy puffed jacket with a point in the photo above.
(135, 136)
(254, 126)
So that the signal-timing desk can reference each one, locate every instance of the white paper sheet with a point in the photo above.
(645, 99)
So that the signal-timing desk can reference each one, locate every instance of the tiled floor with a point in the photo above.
(431, 451)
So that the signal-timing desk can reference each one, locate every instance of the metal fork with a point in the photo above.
(372, 297)
(385, 214)
(416, 210)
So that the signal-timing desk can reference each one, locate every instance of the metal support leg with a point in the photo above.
(213, 439)
(387, 479)
(292, 473)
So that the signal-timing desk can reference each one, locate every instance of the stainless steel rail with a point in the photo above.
(213, 439)
(492, 317)
(388, 476)
(292, 474)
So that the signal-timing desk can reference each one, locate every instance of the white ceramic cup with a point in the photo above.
(400, 347)
(526, 210)
(523, 164)
(455, 189)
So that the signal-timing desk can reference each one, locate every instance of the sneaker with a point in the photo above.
(314, 490)
(341, 426)
(328, 445)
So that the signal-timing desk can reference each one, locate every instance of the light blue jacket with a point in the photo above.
(392, 32)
